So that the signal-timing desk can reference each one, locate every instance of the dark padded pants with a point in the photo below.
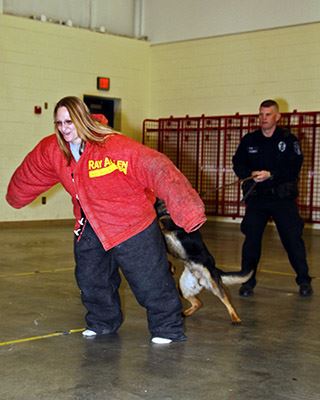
(289, 224)
(143, 261)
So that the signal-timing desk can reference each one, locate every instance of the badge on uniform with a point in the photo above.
(252, 150)
(296, 147)
(282, 146)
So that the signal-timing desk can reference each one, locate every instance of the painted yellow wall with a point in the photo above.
(229, 74)
(223, 75)
(43, 62)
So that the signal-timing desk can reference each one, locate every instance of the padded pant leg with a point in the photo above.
(98, 278)
(143, 260)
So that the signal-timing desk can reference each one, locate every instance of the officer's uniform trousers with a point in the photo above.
(285, 215)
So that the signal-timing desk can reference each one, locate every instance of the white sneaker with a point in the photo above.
(161, 340)
(89, 333)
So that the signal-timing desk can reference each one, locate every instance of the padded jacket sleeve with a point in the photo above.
(159, 174)
(35, 175)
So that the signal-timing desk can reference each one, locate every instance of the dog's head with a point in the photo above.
(160, 208)
(167, 225)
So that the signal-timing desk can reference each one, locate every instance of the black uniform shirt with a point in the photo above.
(280, 154)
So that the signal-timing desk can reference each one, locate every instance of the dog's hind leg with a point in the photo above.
(222, 295)
(190, 287)
(217, 288)
(231, 310)
(196, 303)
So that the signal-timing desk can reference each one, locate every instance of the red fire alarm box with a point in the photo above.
(103, 83)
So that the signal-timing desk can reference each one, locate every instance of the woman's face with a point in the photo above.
(66, 127)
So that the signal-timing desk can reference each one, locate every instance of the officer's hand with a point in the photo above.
(260, 176)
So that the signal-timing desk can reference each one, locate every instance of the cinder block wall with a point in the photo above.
(233, 73)
(216, 76)
(41, 63)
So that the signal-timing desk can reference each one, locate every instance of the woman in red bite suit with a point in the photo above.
(109, 177)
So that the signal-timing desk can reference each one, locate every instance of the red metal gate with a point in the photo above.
(202, 148)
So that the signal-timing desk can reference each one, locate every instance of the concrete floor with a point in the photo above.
(274, 354)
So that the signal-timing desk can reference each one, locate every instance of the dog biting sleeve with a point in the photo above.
(169, 184)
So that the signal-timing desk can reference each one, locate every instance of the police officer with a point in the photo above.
(273, 158)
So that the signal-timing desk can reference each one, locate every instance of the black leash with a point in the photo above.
(234, 182)
(251, 190)
(248, 178)
(248, 192)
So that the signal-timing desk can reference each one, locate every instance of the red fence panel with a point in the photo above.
(202, 148)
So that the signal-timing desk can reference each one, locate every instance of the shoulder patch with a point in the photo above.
(282, 146)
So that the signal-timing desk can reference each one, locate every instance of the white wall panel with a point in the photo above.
(176, 20)
(171, 20)
(115, 16)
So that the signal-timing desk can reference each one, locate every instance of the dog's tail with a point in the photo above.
(234, 278)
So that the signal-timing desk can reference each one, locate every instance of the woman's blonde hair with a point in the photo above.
(88, 129)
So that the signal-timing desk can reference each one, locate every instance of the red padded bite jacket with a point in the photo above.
(112, 183)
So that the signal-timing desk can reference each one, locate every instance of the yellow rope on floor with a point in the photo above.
(49, 335)
(49, 271)
(281, 273)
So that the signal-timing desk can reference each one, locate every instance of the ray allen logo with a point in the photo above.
(106, 166)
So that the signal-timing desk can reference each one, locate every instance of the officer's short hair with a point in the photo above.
(270, 103)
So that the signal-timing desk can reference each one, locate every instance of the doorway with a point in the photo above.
(110, 108)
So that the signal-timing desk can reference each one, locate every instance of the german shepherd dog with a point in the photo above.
(200, 270)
